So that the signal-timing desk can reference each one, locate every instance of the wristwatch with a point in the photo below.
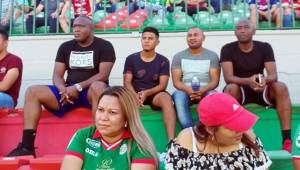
(78, 87)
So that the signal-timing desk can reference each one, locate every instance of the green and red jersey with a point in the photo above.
(296, 144)
(96, 153)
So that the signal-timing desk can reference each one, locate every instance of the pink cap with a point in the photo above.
(222, 109)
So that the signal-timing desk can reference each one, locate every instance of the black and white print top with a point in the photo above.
(181, 158)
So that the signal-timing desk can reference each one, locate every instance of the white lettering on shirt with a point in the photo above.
(81, 59)
(93, 143)
(91, 152)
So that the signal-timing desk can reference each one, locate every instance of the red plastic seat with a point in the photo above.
(116, 18)
(47, 162)
(132, 24)
(106, 24)
(53, 133)
(5, 112)
(135, 20)
(9, 163)
(140, 12)
(13, 163)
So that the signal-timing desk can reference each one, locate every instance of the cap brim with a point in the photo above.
(243, 122)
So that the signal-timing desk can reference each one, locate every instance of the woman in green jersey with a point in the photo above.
(118, 139)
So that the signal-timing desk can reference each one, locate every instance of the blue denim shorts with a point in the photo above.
(6, 101)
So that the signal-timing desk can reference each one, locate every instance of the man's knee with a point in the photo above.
(97, 86)
(163, 99)
(279, 87)
(33, 91)
(178, 94)
(232, 88)
(165, 96)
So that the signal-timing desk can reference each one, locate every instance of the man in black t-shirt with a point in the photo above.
(147, 73)
(87, 60)
(243, 63)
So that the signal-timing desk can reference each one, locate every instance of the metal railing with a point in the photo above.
(118, 16)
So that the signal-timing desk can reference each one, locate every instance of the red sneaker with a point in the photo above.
(287, 145)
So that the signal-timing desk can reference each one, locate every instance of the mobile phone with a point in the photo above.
(258, 78)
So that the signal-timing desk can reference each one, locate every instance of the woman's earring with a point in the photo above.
(125, 125)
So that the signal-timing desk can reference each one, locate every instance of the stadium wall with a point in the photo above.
(38, 54)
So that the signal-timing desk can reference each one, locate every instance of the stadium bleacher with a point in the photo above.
(171, 22)
(58, 136)
(122, 22)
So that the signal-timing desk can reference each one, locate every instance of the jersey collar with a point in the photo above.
(112, 146)
(126, 135)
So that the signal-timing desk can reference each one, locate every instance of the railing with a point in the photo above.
(21, 17)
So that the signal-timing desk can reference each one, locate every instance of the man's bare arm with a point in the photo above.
(9, 79)
(103, 75)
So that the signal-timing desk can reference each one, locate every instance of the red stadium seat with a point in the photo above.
(106, 24)
(13, 163)
(135, 20)
(53, 133)
(47, 162)
(9, 163)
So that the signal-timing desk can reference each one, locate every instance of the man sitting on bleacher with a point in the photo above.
(195, 74)
(265, 10)
(87, 60)
(10, 74)
(80, 7)
(243, 63)
(146, 73)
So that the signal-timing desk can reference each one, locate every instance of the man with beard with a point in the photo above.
(87, 60)
(243, 63)
(147, 74)
(195, 73)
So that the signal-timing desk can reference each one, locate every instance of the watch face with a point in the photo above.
(78, 87)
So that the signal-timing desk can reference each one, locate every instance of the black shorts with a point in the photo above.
(149, 101)
(248, 95)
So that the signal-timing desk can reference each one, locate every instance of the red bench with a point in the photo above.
(53, 136)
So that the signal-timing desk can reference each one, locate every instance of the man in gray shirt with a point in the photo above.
(195, 73)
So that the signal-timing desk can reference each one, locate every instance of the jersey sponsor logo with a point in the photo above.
(297, 142)
(93, 143)
(123, 149)
(81, 59)
(2, 70)
(106, 165)
(91, 152)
